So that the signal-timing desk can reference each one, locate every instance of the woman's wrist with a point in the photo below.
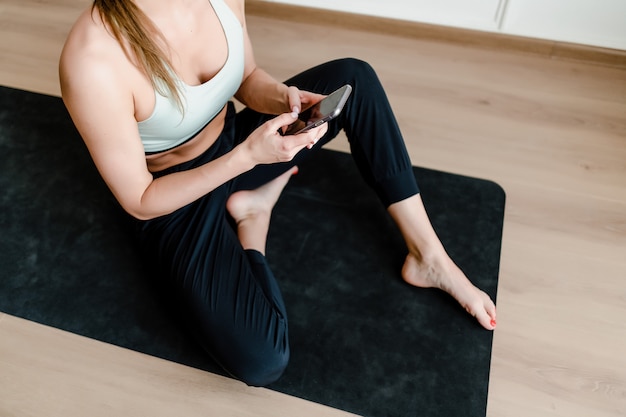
(241, 158)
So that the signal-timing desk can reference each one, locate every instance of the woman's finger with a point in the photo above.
(295, 104)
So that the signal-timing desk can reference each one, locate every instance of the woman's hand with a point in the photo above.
(266, 145)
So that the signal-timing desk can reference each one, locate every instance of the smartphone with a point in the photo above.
(321, 112)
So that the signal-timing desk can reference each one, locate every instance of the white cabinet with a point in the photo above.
(474, 14)
(591, 22)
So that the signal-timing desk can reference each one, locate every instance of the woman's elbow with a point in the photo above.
(139, 211)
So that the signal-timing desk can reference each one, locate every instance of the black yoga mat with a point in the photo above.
(361, 339)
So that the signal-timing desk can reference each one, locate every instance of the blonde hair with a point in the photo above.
(132, 27)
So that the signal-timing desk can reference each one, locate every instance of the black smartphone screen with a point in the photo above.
(321, 112)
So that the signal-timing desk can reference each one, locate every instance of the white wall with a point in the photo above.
(590, 22)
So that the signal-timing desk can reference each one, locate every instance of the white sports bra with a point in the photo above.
(167, 127)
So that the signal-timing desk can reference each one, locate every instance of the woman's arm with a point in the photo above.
(104, 117)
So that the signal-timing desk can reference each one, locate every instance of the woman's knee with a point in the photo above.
(262, 371)
(356, 69)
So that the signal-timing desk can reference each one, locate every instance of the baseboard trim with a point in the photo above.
(550, 49)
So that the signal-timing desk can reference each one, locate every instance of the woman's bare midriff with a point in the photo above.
(189, 150)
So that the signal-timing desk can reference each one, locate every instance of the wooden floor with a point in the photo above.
(551, 132)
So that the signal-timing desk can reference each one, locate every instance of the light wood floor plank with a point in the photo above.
(551, 132)
(47, 372)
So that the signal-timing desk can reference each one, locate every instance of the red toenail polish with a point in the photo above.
(493, 323)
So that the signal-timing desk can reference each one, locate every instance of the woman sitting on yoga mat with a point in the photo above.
(148, 84)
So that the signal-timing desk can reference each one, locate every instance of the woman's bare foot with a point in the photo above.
(441, 272)
(252, 211)
(428, 264)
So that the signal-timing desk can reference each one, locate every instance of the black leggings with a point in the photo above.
(228, 296)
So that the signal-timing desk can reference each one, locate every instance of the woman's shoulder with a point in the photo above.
(89, 37)
(92, 50)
